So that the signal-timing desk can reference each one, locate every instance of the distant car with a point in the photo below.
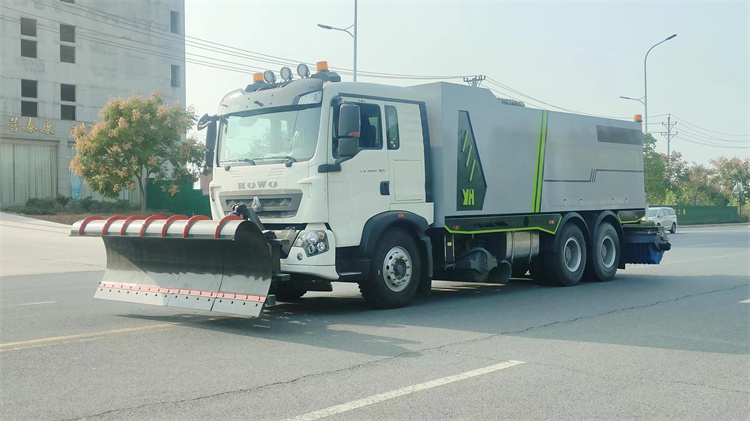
(663, 217)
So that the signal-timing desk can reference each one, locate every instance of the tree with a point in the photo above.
(700, 188)
(654, 171)
(734, 178)
(137, 138)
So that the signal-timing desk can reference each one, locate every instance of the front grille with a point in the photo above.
(280, 204)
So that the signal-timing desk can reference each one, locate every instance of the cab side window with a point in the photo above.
(391, 124)
(370, 131)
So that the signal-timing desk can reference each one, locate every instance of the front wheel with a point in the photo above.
(674, 228)
(566, 264)
(395, 270)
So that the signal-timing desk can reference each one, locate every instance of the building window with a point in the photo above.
(175, 22)
(67, 112)
(67, 92)
(67, 33)
(67, 54)
(28, 48)
(28, 27)
(175, 76)
(28, 88)
(391, 124)
(28, 109)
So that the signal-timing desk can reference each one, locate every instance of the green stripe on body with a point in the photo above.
(466, 138)
(541, 140)
(492, 230)
(540, 181)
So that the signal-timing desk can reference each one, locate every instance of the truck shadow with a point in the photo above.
(611, 313)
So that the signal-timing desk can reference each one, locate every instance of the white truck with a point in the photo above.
(316, 180)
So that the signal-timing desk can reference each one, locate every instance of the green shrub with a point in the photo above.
(62, 201)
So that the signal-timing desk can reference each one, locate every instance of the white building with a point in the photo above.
(60, 62)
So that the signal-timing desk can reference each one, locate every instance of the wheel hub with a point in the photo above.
(572, 254)
(397, 269)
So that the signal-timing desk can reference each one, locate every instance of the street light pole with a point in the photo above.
(354, 35)
(355, 41)
(645, 86)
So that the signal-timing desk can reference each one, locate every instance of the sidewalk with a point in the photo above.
(31, 246)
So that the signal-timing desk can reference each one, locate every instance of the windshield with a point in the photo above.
(285, 135)
(652, 212)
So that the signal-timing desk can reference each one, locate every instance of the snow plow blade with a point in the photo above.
(197, 263)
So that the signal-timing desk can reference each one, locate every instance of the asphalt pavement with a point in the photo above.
(659, 342)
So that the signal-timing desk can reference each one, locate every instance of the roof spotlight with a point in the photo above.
(269, 77)
(286, 73)
(303, 71)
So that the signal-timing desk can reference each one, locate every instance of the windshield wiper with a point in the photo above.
(289, 159)
(233, 161)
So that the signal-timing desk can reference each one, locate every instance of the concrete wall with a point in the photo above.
(121, 48)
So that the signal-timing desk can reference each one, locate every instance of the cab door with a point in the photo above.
(358, 190)
(405, 144)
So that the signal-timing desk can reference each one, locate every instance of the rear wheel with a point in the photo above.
(674, 228)
(566, 264)
(395, 270)
(605, 254)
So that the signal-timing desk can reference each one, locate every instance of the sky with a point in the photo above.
(579, 56)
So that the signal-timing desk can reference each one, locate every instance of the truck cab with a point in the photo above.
(284, 150)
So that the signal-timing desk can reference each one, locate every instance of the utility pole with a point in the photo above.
(474, 81)
(668, 134)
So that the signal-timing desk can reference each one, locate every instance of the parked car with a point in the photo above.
(663, 217)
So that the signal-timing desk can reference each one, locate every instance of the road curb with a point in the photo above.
(733, 224)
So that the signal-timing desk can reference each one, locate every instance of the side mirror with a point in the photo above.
(348, 147)
(348, 121)
(210, 143)
(211, 136)
(203, 122)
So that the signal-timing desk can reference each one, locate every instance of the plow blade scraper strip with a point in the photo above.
(225, 266)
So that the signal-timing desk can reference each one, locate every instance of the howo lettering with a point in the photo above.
(388, 187)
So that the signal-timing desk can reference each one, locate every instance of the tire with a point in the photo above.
(395, 271)
(566, 264)
(604, 254)
(674, 228)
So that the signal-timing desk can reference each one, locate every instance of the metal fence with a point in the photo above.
(188, 202)
(692, 215)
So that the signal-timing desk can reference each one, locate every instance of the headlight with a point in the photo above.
(314, 242)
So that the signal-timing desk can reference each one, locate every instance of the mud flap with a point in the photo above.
(223, 266)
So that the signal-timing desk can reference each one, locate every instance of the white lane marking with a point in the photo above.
(40, 302)
(745, 302)
(338, 409)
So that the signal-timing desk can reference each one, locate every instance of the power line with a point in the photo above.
(690, 131)
(697, 127)
(245, 70)
(227, 49)
(704, 142)
(493, 81)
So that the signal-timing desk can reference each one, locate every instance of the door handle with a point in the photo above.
(385, 188)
